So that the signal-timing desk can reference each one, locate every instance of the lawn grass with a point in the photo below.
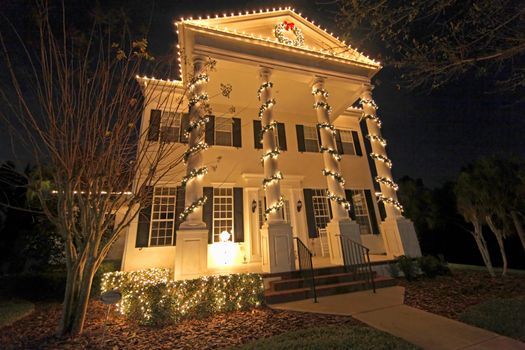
(330, 337)
(13, 310)
(502, 316)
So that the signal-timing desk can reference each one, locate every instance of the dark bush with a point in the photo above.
(432, 266)
(407, 265)
(35, 286)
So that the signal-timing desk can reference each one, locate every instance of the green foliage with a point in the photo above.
(48, 285)
(432, 266)
(330, 337)
(503, 316)
(150, 297)
(393, 270)
(105, 267)
(407, 265)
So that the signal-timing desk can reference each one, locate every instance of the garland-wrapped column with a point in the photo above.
(383, 165)
(195, 170)
(272, 175)
(336, 190)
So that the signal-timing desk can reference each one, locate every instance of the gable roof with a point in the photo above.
(260, 25)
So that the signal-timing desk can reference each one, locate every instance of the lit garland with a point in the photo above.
(193, 174)
(270, 154)
(377, 138)
(389, 200)
(338, 177)
(191, 208)
(276, 207)
(322, 104)
(151, 297)
(201, 78)
(373, 118)
(370, 102)
(327, 126)
(194, 100)
(321, 92)
(381, 158)
(266, 128)
(263, 86)
(331, 152)
(201, 121)
(269, 103)
(388, 182)
(339, 200)
(282, 27)
(197, 148)
(274, 178)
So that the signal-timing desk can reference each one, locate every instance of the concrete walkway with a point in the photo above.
(385, 311)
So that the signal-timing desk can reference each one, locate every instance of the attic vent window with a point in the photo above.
(280, 30)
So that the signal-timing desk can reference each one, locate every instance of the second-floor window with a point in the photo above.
(347, 142)
(170, 123)
(311, 142)
(280, 135)
(223, 131)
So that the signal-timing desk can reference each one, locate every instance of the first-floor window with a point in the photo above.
(321, 208)
(311, 143)
(222, 212)
(361, 211)
(163, 216)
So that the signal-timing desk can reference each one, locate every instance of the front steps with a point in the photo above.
(290, 286)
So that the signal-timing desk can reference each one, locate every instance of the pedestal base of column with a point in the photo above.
(400, 237)
(191, 254)
(277, 248)
(336, 229)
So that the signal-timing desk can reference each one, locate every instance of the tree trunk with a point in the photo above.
(519, 227)
(499, 237)
(482, 247)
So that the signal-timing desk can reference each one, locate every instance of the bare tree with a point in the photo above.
(436, 41)
(77, 108)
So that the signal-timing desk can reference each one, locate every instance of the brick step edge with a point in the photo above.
(295, 283)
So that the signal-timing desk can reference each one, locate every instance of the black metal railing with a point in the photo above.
(306, 266)
(356, 259)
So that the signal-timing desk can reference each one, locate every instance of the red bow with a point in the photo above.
(288, 25)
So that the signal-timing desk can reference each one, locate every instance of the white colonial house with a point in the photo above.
(291, 146)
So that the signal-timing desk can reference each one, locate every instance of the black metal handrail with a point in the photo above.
(306, 266)
(356, 259)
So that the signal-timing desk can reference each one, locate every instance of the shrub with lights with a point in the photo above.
(151, 297)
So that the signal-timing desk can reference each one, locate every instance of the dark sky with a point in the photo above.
(429, 136)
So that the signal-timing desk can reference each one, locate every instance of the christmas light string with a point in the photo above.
(381, 158)
(266, 85)
(201, 121)
(269, 103)
(319, 91)
(389, 200)
(191, 208)
(327, 126)
(322, 104)
(388, 182)
(331, 152)
(193, 174)
(274, 178)
(198, 79)
(197, 148)
(275, 207)
(338, 199)
(271, 126)
(194, 100)
(373, 118)
(376, 138)
(338, 177)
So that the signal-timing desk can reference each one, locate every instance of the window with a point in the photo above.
(321, 208)
(311, 144)
(285, 213)
(163, 216)
(361, 211)
(170, 124)
(347, 142)
(222, 212)
(223, 131)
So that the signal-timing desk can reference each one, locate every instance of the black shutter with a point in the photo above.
(238, 215)
(237, 137)
(310, 217)
(143, 226)
(371, 163)
(281, 135)
(371, 212)
(351, 212)
(184, 122)
(300, 138)
(357, 144)
(338, 142)
(319, 142)
(257, 127)
(207, 211)
(209, 137)
(179, 208)
(382, 210)
(154, 125)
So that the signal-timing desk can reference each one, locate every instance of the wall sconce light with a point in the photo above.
(254, 206)
(299, 206)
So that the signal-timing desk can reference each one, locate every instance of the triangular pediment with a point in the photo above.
(262, 24)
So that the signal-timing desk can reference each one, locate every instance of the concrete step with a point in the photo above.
(297, 274)
(300, 282)
(282, 296)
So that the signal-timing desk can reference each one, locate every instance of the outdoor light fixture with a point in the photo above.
(224, 236)
(299, 206)
(254, 206)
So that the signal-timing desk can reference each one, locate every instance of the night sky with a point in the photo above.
(430, 136)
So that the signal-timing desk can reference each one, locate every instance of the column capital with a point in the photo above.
(265, 73)
(366, 91)
(318, 82)
(198, 61)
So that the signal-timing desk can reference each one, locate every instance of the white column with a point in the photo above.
(276, 235)
(340, 225)
(398, 232)
(191, 257)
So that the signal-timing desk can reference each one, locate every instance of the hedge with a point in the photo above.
(150, 296)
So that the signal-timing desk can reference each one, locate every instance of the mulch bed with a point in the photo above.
(449, 296)
(37, 331)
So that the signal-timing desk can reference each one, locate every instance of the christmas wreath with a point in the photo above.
(289, 26)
